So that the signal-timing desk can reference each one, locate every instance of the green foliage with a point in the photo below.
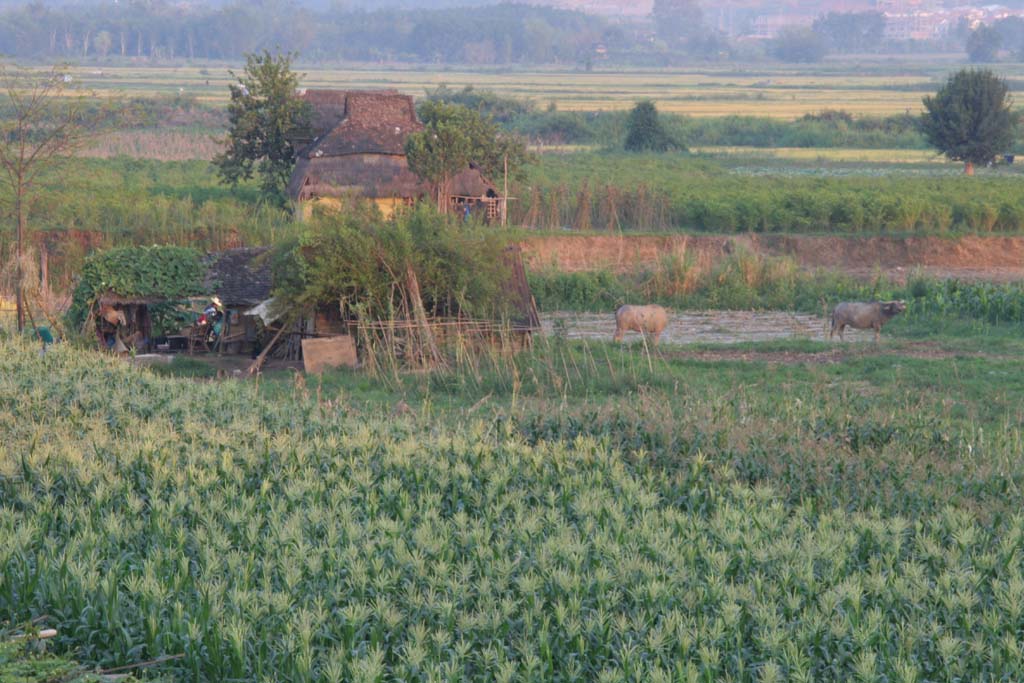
(103, 203)
(644, 132)
(815, 523)
(454, 137)
(970, 118)
(263, 117)
(673, 192)
(745, 281)
(983, 44)
(798, 44)
(165, 272)
(21, 662)
(851, 31)
(359, 261)
(677, 21)
(501, 109)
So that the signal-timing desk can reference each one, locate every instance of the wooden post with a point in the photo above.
(44, 271)
(420, 315)
(258, 363)
(504, 197)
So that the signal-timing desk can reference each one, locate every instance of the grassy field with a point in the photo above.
(715, 90)
(574, 513)
(831, 155)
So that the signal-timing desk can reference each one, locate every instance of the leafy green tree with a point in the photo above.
(851, 31)
(645, 132)
(264, 115)
(970, 118)
(1011, 33)
(454, 137)
(983, 44)
(798, 44)
(676, 21)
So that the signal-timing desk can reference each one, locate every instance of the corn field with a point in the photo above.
(299, 540)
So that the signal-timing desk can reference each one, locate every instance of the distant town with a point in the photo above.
(757, 19)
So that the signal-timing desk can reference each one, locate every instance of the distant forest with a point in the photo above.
(494, 34)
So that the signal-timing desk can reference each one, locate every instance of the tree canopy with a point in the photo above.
(983, 44)
(264, 115)
(645, 132)
(851, 31)
(454, 137)
(798, 44)
(970, 118)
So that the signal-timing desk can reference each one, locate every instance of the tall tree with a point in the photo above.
(264, 115)
(645, 132)
(970, 119)
(676, 21)
(983, 44)
(798, 44)
(455, 136)
(851, 31)
(43, 122)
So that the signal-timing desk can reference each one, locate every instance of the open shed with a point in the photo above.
(241, 279)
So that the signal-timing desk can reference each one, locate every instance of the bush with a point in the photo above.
(164, 272)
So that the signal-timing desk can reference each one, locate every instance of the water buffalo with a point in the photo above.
(862, 316)
(648, 320)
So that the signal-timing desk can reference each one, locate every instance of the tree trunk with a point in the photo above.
(968, 168)
(19, 271)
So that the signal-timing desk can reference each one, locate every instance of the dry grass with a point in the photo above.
(165, 145)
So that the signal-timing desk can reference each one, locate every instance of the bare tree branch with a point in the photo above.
(42, 123)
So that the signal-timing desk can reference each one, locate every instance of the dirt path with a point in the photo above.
(971, 257)
(711, 327)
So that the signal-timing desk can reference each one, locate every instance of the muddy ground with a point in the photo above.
(704, 327)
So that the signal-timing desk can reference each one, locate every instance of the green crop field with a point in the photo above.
(576, 513)
(775, 91)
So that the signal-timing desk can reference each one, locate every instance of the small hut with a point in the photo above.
(241, 279)
(124, 322)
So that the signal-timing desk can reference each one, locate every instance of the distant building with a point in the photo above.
(356, 147)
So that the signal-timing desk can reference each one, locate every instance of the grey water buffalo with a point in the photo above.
(649, 320)
(863, 316)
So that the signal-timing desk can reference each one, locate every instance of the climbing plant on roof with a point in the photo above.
(161, 272)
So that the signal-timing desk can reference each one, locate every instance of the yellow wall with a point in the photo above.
(387, 206)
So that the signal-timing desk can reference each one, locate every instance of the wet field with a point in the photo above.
(704, 327)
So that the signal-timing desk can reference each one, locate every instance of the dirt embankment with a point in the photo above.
(973, 257)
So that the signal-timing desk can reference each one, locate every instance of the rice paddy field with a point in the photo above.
(583, 511)
(875, 88)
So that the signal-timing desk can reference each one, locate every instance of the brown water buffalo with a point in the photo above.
(649, 320)
(863, 316)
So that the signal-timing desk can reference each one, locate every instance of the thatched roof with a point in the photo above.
(240, 277)
(116, 300)
(359, 122)
(364, 175)
(358, 147)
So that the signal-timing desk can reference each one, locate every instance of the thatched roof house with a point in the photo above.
(239, 277)
(356, 146)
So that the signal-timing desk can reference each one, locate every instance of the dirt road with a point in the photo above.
(712, 327)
